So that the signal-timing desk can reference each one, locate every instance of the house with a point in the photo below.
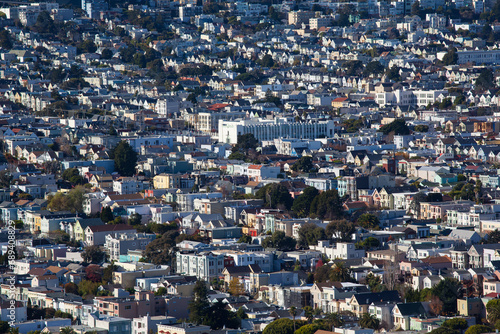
(360, 302)
(402, 313)
(96, 235)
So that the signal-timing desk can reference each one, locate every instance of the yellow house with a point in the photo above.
(167, 181)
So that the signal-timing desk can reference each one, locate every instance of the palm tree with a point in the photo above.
(334, 320)
(369, 321)
(309, 313)
(67, 330)
(293, 313)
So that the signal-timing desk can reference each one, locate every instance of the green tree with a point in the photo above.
(304, 164)
(279, 241)
(393, 74)
(106, 54)
(444, 330)
(310, 234)
(448, 291)
(340, 230)
(67, 330)
(334, 320)
(125, 159)
(340, 273)
(5, 179)
(293, 313)
(4, 326)
(275, 195)
(72, 175)
(327, 205)
(369, 221)
(369, 321)
(373, 68)
(397, 126)
(93, 254)
(485, 80)
(267, 61)
(493, 310)
(478, 329)
(302, 203)
(308, 313)
(456, 323)
(199, 304)
(245, 238)
(451, 57)
(135, 219)
(44, 23)
(5, 40)
(421, 128)
(72, 201)
(106, 214)
(368, 243)
(280, 326)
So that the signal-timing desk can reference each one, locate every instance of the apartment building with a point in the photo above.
(117, 244)
(204, 265)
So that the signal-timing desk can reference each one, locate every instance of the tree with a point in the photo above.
(340, 273)
(353, 67)
(106, 214)
(369, 221)
(369, 321)
(67, 330)
(451, 57)
(373, 68)
(72, 175)
(435, 305)
(245, 239)
(199, 302)
(293, 313)
(162, 250)
(93, 254)
(245, 142)
(4, 326)
(279, 241)
(310, 234)
(421, 128)
(236, 287)
(5, 40)
(448, 291)
(72, 201)
(369, 243)
(71, 288)
(334, 320)
(93, 273)
(302, 203)
(280, 326)
(456, 323)
(393, 74)
(398, 127)
(485, 80)
(493, 310)
(5, 179)
(125, 159)
(340, 230)
(444, 330)
(304, 164)
(478, 329)
(275, 195)
(106, 54)
(327, 205)
(308, 313)
(135, 219)
(267, 61)
(44, 23)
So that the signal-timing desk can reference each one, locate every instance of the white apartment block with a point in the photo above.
(479, 57)
(400, 97)
(281, 127)
(204, 265)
